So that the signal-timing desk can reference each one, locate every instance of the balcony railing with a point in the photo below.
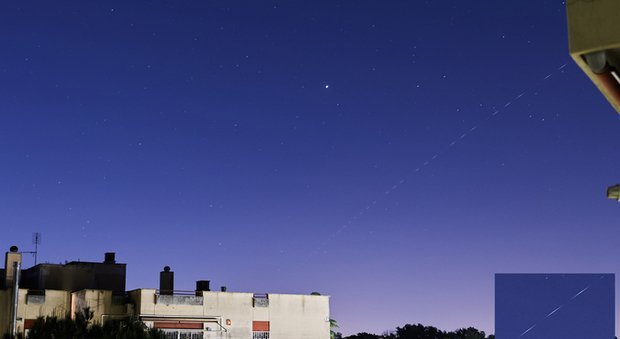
(260, 335)
(178, 297)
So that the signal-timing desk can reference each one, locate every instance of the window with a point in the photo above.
(260, 335)
(261, 300)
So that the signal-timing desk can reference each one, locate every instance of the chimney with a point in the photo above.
(110, 258)
(202, 285)
(12, 256)
(166, 281)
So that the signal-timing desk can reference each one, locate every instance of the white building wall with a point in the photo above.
(227, 315)
(299, 316)
(53, 304)
(289, 316)
(99, 302)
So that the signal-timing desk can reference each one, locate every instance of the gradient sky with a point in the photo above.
(345, 147)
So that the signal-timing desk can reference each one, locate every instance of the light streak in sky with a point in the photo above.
(529, 329)
(576, 295)
(557, 309)
(426, 163)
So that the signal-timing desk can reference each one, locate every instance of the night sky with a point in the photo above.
(392, 154)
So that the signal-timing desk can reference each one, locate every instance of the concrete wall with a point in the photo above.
(167, 305)
(54, 303)
(100, 302)
(299, 316)
(289, 316)
(5, 300)
(75, 276)
(226, 315)
(236, 308)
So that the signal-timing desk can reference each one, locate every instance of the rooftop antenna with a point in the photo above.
(36, 240)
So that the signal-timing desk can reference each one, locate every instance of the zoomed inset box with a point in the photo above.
(545, 306)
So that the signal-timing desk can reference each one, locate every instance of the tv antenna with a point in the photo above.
(36, 240)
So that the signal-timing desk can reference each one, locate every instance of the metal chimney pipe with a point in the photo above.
(16, 269)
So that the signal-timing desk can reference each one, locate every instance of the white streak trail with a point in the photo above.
(548, 315)
(426, 163)
(576, 295)
(529, 329)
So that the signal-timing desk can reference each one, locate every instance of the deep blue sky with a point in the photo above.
(543, 306)
(242, 142)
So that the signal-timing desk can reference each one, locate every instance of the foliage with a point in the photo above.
(333, 324)
(420, 331)
(8, 336)
(82, 327)
(364, 335)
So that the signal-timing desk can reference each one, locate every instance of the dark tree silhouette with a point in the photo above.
(81, 328)
(364, 335)
(468, 333)
(420, 331)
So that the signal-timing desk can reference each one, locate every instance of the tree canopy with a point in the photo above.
(420, 331)
(82, 327)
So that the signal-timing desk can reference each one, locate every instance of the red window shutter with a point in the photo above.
(178, 325)
(262, 326)
(29, 323)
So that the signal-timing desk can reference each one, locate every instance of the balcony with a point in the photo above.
(179, 298)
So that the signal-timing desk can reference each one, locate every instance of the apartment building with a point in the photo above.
(61, 289)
